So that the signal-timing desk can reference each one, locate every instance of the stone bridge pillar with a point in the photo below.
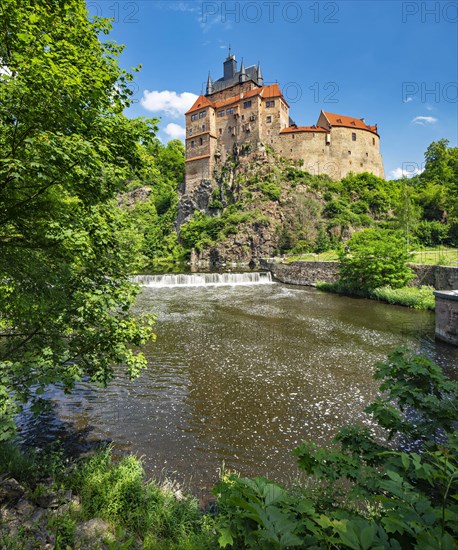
(447, 315)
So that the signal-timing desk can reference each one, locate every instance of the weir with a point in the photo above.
(204, 279)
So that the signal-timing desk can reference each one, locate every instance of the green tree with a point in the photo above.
(375, 258)
(66, 151)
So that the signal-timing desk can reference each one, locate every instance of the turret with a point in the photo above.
(230, 66)
(209, 85)
(259, 78)
(242, 75)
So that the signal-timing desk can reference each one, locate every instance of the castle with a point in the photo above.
(238, 110)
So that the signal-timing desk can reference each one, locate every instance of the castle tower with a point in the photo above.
(230, 66)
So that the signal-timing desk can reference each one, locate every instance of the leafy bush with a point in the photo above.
(270, 189)
(432, 233)
(375, 258)
(375, 496)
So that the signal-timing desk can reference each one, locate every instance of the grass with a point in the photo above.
(434, 256)
(409, 296)
(328, 256)
(139, 513)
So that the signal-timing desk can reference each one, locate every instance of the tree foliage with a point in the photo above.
(66, 151)
(374, 258)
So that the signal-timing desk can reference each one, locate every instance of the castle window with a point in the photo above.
(247, 104)
(190, 131)
(221, 113)
(230, 129)
(194, 117)
(269, 119)
(229, 111)
(201, 141)
(192, 143)
(367, 154)
(203, 127)
(243, 117)
(349, 152)
(270, 103)
(373, 141)
(353, 136)
(202, 114)
(220, 131)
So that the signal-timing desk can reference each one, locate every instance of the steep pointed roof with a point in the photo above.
(348, 122)
(200, 103)
(209, 84)
(259, 75)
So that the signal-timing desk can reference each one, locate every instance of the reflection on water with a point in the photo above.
(243, 374)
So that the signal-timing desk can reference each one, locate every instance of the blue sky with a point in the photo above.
(392, 62)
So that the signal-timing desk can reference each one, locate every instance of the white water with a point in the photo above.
(203, 279)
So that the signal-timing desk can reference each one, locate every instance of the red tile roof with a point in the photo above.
(266, 92)
(200, 103)
(348, 122)
(197, 158)
(293, 129)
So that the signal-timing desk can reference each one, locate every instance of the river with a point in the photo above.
(241, 374)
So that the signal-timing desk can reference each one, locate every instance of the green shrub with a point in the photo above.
(270, 189)
(375, 258)
(432, 233)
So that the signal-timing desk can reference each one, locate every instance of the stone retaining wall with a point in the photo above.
(308, 273)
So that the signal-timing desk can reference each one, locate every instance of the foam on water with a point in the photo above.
(204, 279)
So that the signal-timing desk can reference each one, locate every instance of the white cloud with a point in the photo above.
(399, 173)
(170, 103)
(175, 131)
(423, 120)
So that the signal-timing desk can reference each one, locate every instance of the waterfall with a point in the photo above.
(204, 279)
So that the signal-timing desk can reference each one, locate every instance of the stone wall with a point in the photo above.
(439, 276)
(447, 316)
(308, 273)
(304, 273)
